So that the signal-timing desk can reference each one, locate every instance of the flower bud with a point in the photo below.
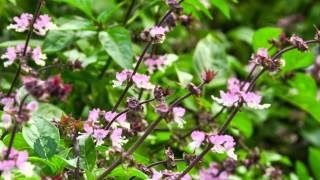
(208, 76)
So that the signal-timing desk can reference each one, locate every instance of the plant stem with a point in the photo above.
(141, 139)
(29, 35)
(76, 149)
(163, 162)
(129, 84)
(124, 111)
(15, 127)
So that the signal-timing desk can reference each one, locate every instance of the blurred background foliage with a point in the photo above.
(222, 36)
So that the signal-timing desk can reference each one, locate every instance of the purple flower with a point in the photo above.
(167, 175)
(156, 63)
(16, 160)
(11, 55)
(38, 57)
(43, 24)
(298, 43)
(223, 143)
(198, 137)
(121, 77)
(142, 81)
(178, 113)
(235, 95)
(6, 120)
(94, 115)
(32, 106)
(22, 23)
(120, 121)
(117, 140)
(155, 34)
(253, 101)
(213, 173)
(99, 135)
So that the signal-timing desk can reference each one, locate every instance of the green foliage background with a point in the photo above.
(222, 38)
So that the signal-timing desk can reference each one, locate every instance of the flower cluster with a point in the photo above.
(93, 127)
(11, 110)
(214, 172)
(140, 80)
(14, 53)
(15, 160)
(298, 42)
(235, 95)
(52, 87)
(262, 58)
(156, 34)
(221, 143)
(41, 26)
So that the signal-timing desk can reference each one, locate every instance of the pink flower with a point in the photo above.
(22, 23)
(157, 31)
(253, 101)
(99, 135)
(32, 106)
(43, 24)
(94, 115)
(117, 140)
(6, 120)
(155, 34)
(11, 55)
(178, 113)
(38, 57)
(16, 160)
(213, 173)
(235, 94)
(298, 43)
(223, 143)
(198, 137)
(109, 116)
(142, 81)
(121, 77)
(8, 103)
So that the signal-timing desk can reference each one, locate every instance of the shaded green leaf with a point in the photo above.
(117, 43)
(314, 161)
(262, 36)
(87, 153)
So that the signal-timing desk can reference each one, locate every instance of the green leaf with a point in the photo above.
(87, 153)
(184, 77)
(302, 93)
(222, 5)
(262, 36)
(83, 5)
(242, 33)
(105, 15)
(192, 6)
(49, 111)
(302, 171)
(57, 40)
(117, 43)
(74, 23)
(120, 172)
(243, 123)
(19, 143)
(295, 60)
(42, 136)
(314, 161)
(74, 55)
